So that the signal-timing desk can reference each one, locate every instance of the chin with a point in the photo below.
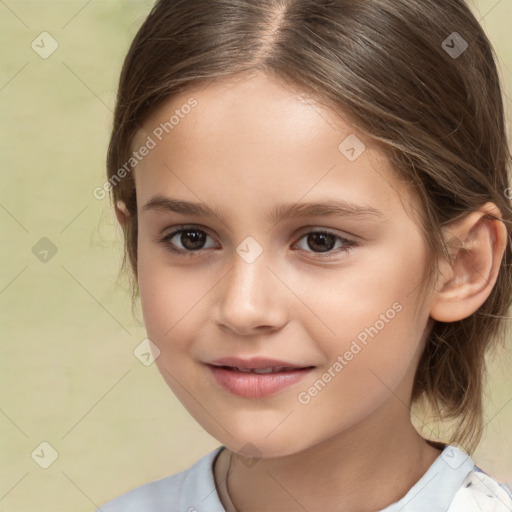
(256, 445)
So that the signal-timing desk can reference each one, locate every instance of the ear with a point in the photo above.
(476, 243)
(122, 213)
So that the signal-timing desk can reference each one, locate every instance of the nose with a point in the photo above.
(251, 298)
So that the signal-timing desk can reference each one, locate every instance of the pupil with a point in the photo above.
(319, 241)
(197, 237)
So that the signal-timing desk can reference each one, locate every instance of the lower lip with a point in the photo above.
(256, 385)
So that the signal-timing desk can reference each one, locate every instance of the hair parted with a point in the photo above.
(382, 63)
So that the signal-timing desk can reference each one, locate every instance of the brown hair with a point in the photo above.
(388, 65)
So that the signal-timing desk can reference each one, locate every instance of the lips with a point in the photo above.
(256, 377)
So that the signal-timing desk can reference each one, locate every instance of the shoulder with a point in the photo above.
(182, 492)
(156, 496)
(453, 483)
(480, 492)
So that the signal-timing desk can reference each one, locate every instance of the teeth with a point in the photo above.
(271, 369)
(266, 370)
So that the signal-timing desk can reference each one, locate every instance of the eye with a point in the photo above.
(324, 242)
(192, 240)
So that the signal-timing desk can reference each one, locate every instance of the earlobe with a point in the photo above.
(477, 243)
(122, 213)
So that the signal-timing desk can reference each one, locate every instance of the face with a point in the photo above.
(332, 291)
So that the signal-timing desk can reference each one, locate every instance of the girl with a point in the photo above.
(314, 198)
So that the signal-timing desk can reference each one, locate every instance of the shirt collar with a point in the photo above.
(435, 490)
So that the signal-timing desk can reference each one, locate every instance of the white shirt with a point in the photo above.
(452, 484)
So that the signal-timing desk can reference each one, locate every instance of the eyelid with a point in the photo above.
(315, 228)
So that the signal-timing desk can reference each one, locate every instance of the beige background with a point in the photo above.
(68, 373)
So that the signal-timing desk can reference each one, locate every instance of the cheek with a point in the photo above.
(172, 299)
(380, 289)
(376, 323)
(171, 306)
(370, 361)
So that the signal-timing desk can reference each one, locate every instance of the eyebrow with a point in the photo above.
(328, 208)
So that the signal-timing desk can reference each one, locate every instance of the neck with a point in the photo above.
(363, 469)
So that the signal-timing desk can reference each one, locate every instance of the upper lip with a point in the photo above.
(255, 363)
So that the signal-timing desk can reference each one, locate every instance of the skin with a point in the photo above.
(252, 143)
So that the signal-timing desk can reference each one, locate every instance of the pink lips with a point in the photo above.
(237, 375)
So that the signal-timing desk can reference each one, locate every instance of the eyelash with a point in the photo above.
(348, 245)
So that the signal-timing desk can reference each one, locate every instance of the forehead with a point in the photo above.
(250, 139)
